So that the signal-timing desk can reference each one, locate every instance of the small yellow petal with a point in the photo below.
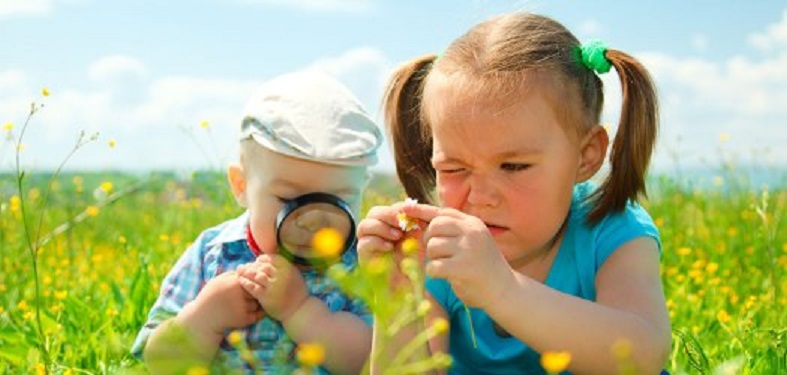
(555, 362)
(45, 91)
(328, 243)
(311, 354)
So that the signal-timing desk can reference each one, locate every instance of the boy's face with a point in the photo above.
(265, 180)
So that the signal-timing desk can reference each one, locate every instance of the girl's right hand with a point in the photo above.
(379, 234)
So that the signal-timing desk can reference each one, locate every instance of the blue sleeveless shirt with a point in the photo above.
(582, 251)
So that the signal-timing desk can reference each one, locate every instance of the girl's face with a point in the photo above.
(270, 179)
(514, 167)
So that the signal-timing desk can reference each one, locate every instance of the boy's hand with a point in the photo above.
(380, 232)
(221, 304)
(276, 284)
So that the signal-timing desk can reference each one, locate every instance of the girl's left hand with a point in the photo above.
(460, 249)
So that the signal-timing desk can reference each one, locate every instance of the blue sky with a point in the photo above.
(145, 74)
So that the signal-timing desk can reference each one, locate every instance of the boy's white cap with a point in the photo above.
(311, 116)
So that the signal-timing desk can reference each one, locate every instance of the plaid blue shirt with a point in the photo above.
(223, 248)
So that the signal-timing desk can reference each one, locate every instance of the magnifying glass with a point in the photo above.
(314, 214)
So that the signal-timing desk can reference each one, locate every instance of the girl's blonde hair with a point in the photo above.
(500, 58)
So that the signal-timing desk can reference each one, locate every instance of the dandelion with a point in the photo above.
(8, 127)
(410, 246)
(204, 124)
(328, 242)
(45, 91)
(683, 251)
(92, 211)
(22, 305)
(440, 326)
(2, 310)
(61, 294)
(106, 186)
(723, 316)
(15, 203)
(40, 368)
(555, 362)
(235, 338)
(311, 355)
(724, 137)
(112, 143)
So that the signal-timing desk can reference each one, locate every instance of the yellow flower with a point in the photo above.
(92, 211)
(2, 309)
(555, 362)
(45, 91)
(106, 186)
(311, 355)
(61, 295)
(8, 126)
(724, 137)
(712, 267)
(15, 203)
(204, 124)
(122, 239)
(406, 223)
(112, 143)
(683, 251)
(22, 305)
(410, 246)
(40, 368)
(328, 242)
(440, 326)
(78, 180)
(235, 337)
(723, 316)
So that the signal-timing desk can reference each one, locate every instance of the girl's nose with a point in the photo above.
(482, 192)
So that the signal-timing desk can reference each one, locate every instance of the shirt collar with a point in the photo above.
(233, 231)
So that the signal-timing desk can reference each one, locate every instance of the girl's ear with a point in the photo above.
(237, 180)
(593, 152)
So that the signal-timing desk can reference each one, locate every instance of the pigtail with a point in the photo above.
(635, 139)
(410, 137)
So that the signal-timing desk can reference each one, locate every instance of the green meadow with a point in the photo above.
(75, 291)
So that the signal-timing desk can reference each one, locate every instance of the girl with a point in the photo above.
(504, 128)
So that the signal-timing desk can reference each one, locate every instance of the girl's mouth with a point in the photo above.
(495, 229)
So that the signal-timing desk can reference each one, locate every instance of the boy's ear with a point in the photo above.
(237, 180)
(593, 152)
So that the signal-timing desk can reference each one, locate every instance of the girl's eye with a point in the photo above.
(514, 167)
(449, 170)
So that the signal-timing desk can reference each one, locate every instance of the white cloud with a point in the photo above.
(773, 38)
(9, 8)
(112, 67)
(155, 121)
(352, 6)
(20, 8)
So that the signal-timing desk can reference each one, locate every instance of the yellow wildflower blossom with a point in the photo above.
(8, 126)
(311, 355)
(410, 246)
(45, 92)
(235, 337)
(112, 143)
(92, 211)
(555, 362)
(328, 242)
(204, 124)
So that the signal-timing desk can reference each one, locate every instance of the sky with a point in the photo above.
(163, 83)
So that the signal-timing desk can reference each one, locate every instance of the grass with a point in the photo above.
(724, 266)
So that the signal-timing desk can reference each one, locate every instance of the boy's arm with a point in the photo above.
(346, 337)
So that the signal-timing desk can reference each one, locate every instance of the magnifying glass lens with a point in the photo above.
(315, 231)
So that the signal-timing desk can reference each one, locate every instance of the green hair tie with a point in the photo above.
(593, 56)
